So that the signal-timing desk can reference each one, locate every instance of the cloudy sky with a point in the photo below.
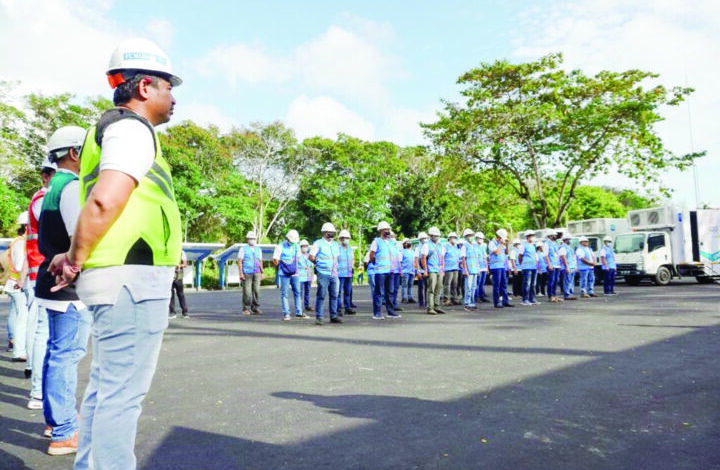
(372, 69)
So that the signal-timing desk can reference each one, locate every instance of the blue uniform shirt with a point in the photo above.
(497, 261)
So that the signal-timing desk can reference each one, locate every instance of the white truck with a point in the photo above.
(667, 242)
(596, 229)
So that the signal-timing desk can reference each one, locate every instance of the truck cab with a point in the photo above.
(645, 255)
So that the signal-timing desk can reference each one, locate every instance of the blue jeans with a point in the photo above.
(553, 278)
(66, 346)
(422, 292)
(407, 285)
(383, 288)
(286, 283)
(126, 341)
(346, 291)
(42, 332)
(499, 283)
(17, 321)
(327, 285)
(371, 283)
(528, 288)
(569, 287)
(480, 287)
(395, 289)
(470, 286)
(306, 285)
(587, 281)
(609, 281)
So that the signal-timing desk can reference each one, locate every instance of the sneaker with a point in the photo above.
(508, 305)
(10, 346)
(572, 297)
(28, 373)
(467, 308)
(525, 303)
(350, 311)
(309, 309)
(185, 315)
(440, 311)
(534, 302)
(584, 296)
(35, 404)
(399, 309)
(64, 447)
(47, 432)
(302, 316)
(540, 295)
(246, 312)
(499, 306)
(19, 359)
(378, 317)
(257, 312)
(395, 315)
(318, 321)
(172, 315)
(431, 312)
(286, 317)
(336, 320)
(592, 294)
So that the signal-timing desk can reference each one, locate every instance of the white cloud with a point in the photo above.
(677, 39)
(203, 114)
(243, 62)
(161, 31)
(404, 125)
(323, 116)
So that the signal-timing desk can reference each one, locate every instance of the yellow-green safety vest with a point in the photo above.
(148, 231)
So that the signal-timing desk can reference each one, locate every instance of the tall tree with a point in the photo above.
(542, 126)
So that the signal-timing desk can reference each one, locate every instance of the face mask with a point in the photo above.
(328, 236)
(304, 249)
(384, 234)
(434, 238)
(344, 241)
(468, 239)
(251, 242)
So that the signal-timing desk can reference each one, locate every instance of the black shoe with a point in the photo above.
(309, 309)
(336, 320)
(352, 305)
(172, 315)
(499, 306)
(411, 301)
(399, 309)
(19, 359)
(185, 315)
(318, 321)
(508, 305)
(10, 346)
(28, 373)
(340, 314)
(403, 301)
(440, 311)
(350, 311)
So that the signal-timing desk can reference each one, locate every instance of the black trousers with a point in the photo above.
(177, 286)
(541, 283)
(517, 284)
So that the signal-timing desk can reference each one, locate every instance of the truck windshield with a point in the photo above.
(629, 243)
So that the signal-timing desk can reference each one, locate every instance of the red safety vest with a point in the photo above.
(34, 258)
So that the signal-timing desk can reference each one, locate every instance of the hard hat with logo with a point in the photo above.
(583, 239)
(328, 227)
(137, 55)
(479, 235)
(468, 232)
(304, 243)
(344, 234)
(293, 236)
(383, 226)
(452, 235)
(64, 138)
(23, 218)
(502, 233)
(422, 236)
(251, 235)
(435, 232)
(607, 238)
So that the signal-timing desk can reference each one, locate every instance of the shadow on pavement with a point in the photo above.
(654, 406)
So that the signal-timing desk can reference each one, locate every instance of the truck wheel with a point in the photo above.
(633, 280)
(663, 276)
(704, 279)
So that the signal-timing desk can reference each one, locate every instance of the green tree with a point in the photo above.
(543, 127)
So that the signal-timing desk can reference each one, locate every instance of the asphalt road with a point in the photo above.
(625, 382)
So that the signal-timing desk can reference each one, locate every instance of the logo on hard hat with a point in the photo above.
(144, 56)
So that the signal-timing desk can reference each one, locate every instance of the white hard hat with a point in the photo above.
(502, 233)
(539, 244)
(65, 138)
(383, 226)
(293, 236)
(517, 242)
(138, 55)
(47, 164)
(422, 236)
(566, 236)
(583, 239)
(344, 234)
(434, 231)
(406, 240)
(328, 227)
(607, 238)
(251, 235)
(529, 234)
(23, 218)
(304, 243)
(467, 232)
(480, 235)
(452, 235)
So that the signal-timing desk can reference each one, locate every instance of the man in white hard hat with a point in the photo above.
(433, 261)
(15, 289)
(325, 253)
(451, 263)
(127, 242)
(306, 274)
(483, 268)
(607, 257)
(586, 268)
(36, 338)
(469, 262)
(528, 262)
(286, 260)
(381, 257)
(569, 262)
(498, 252)
(346, 270)
(178, 289)
(421, 277)
(251, 273)
(395, 270)
(554, 267)
(68, 318)
(409, 271)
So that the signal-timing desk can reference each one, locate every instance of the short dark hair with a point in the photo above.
(46, 170)
(126, 90)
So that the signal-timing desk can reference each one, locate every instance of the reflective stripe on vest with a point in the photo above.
(408, 261)
(345, 261)
(529, 260)
(433, 257)
(383, 261)
(252, 259)
(497, 261)
(610, 257)
(34, 257)
(326, 258)
(452, 257)
(472, 258)
(150, 219)
(588, 255)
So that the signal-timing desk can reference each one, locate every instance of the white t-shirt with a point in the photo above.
(37, 207)
(70, 204)
(127, 146)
